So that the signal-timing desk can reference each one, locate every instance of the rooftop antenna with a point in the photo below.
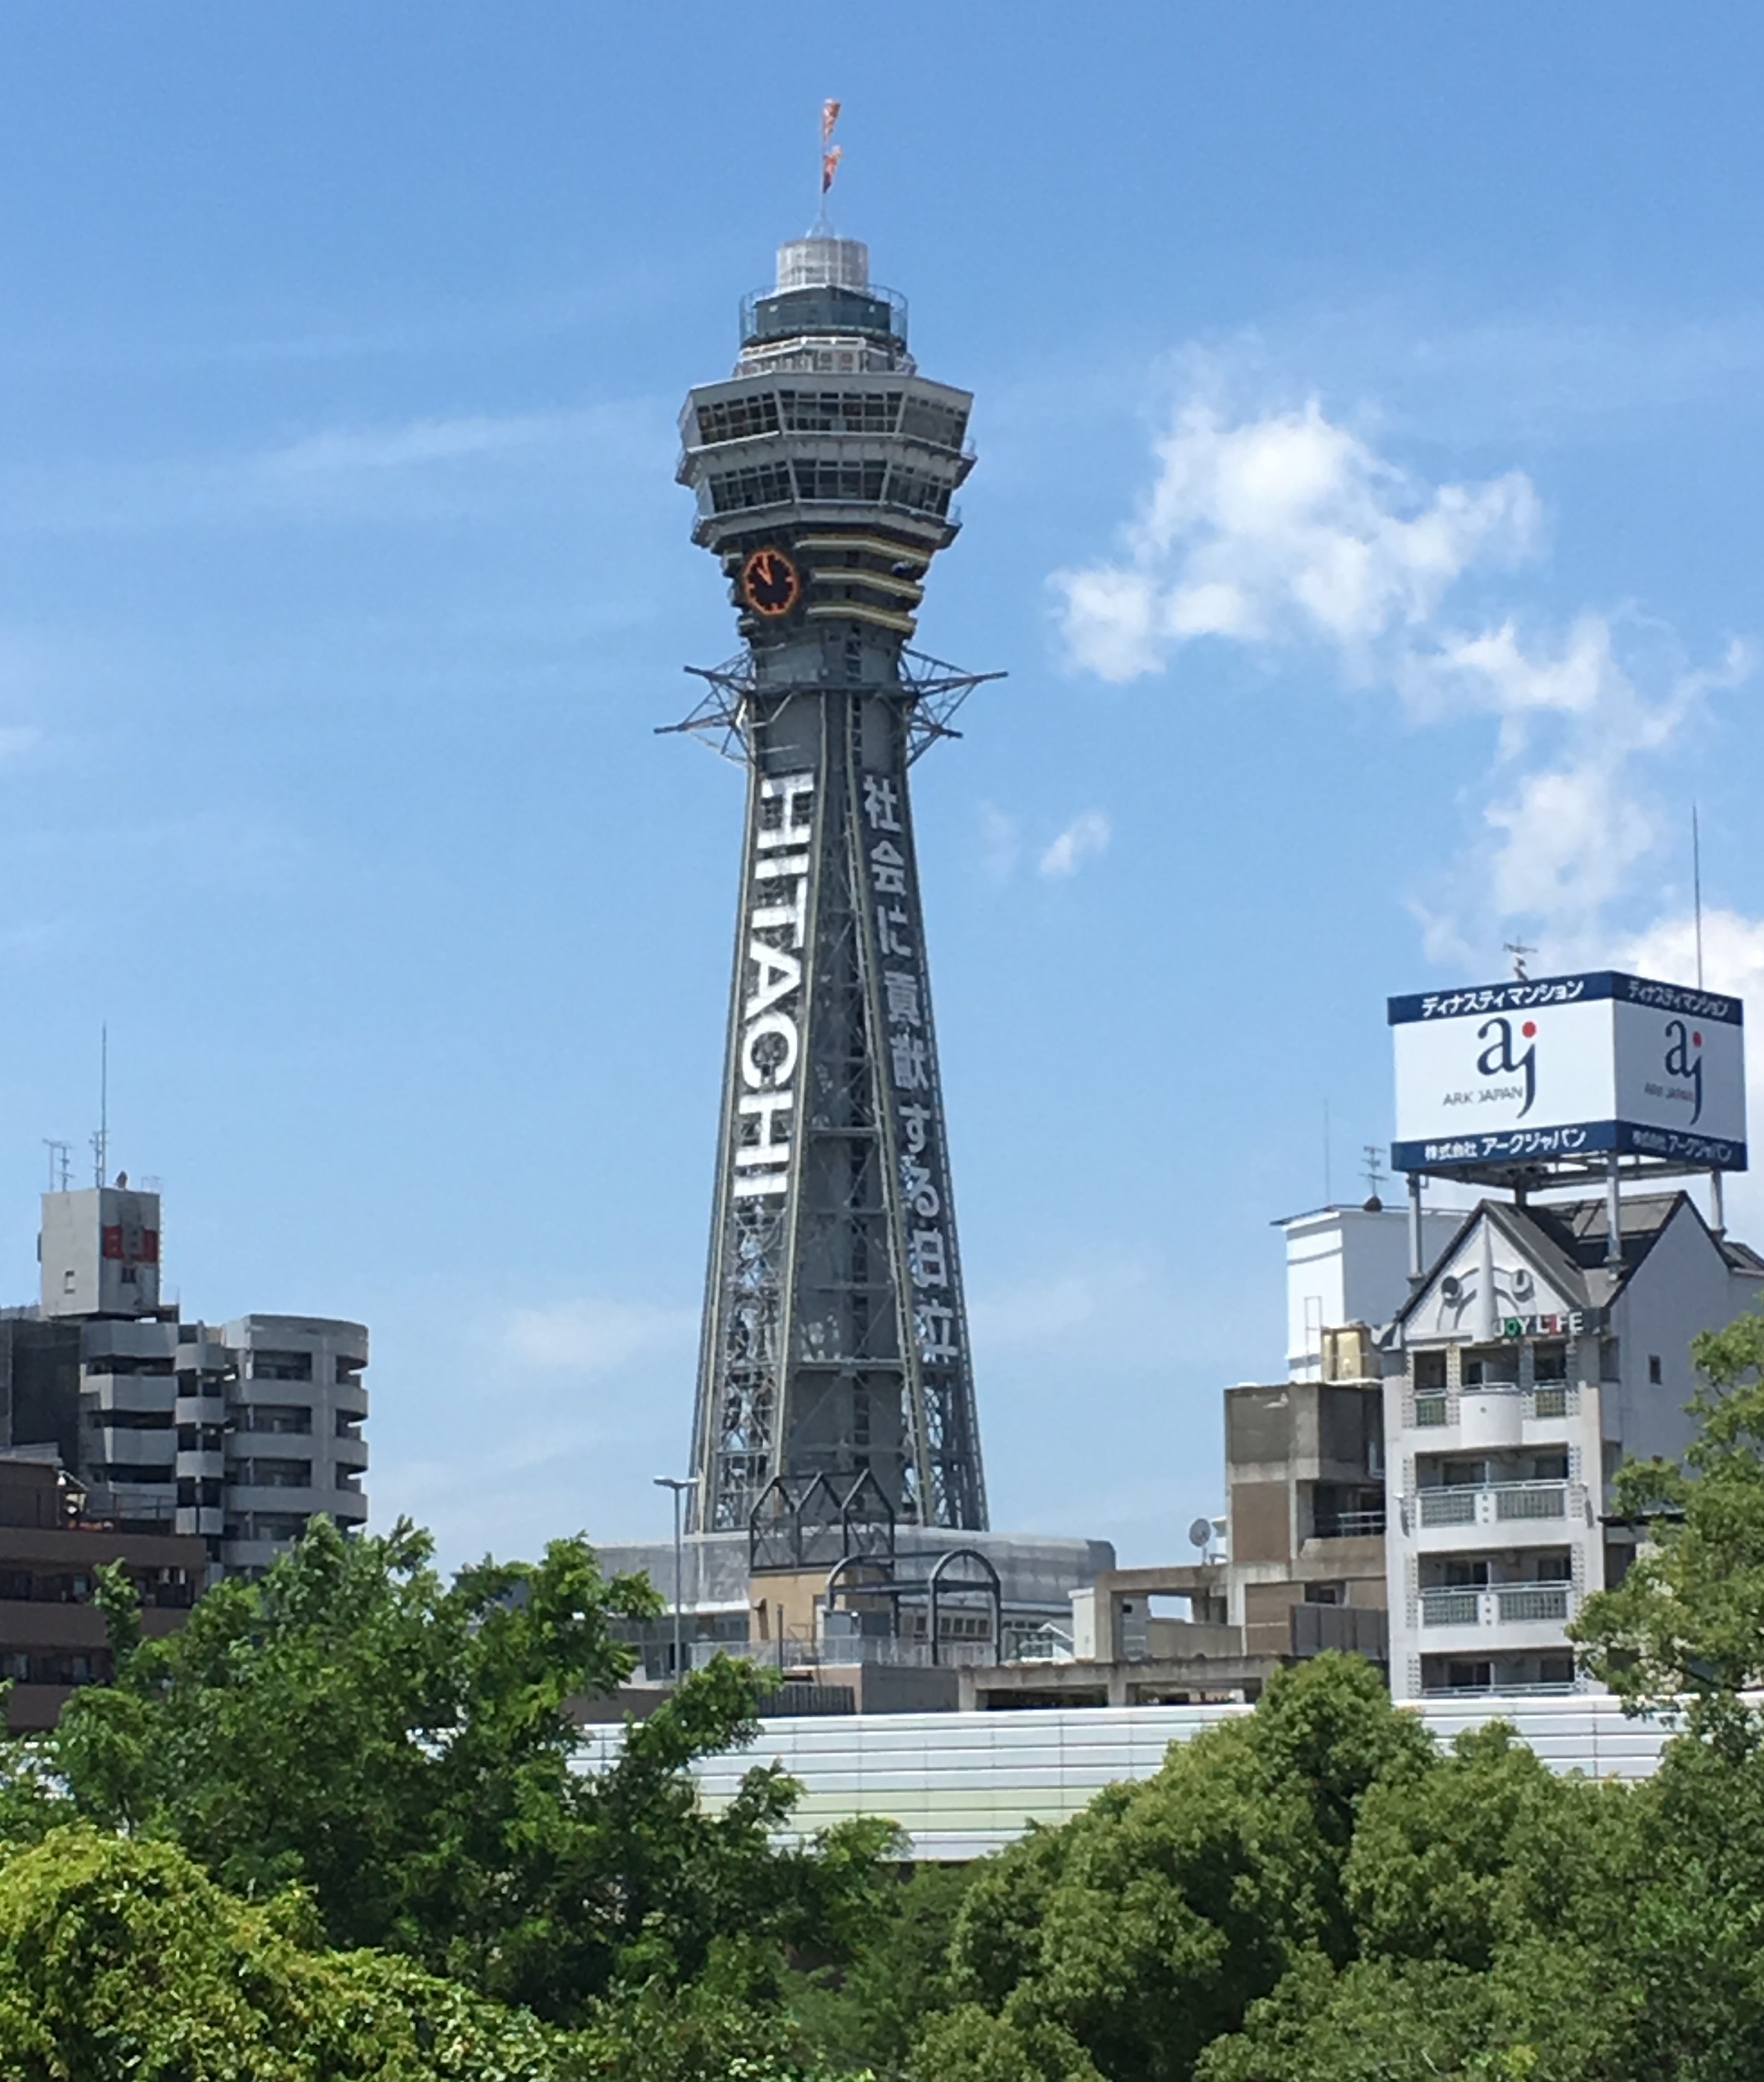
(1329, 1189)
(1696, 886)
(830, 156)
(1374, 1175)
(1519, 950)
(101, 1140)
(60, 1164)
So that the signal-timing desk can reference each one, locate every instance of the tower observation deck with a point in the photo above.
(834, 1360)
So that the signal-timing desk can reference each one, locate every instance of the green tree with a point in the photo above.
(1688, 1619)
(400, 1748)
(1128, 1939)
(873, 2006)
(121, 1962)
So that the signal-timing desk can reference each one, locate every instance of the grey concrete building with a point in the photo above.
(234, 1433)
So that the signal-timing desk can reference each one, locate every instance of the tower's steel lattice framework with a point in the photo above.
(835, 1338)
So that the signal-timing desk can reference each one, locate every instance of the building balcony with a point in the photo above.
(1431, 1409)
(1524, 1510)
(1476, 1668)
(1499, 1604)
(1349, 1525)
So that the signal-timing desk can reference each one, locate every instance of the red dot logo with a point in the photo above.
(1529, 1029)
(1696, 1040)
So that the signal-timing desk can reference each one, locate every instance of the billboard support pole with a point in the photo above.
(1718, 1220)
(1417, 1270)
(1614, 1236)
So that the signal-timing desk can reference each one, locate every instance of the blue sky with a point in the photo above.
(1369, 516)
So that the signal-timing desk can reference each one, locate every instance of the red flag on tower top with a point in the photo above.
(829, 114)
(830, 165)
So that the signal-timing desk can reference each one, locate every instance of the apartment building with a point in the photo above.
(235, 1432)
(1305, 1456)
(1536, 1352)
(52, 1636)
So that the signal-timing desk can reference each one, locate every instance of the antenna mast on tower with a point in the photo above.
(101, 1140)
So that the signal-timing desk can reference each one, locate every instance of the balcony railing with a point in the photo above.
(1460, 1604)
(1531, 1500)
(1500, 1686)
(1349, 1524)
(1533, 1601)
(1548, 1400)
(1486, 1503)
(1553, 1398)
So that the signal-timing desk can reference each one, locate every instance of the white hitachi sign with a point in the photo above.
(771, 1004)
(1567, 1066)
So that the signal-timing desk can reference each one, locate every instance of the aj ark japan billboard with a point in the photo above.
(1567, 1066)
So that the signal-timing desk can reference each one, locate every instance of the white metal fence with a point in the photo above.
(963, 1784)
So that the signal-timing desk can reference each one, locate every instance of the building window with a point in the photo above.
(1655, 1374)
(281, 1366)
(274, 1474)
(1429, 1372)
(274, 1417)
(1495, 1366)
(1549, 1362)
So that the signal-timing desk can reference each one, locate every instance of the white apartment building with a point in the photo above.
(1529, 1361)
(239, 1432)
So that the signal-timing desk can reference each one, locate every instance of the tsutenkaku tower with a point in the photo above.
(835, 1340)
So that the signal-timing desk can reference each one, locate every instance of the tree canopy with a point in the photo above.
(1687, 1621)
(394, 1753)
(339, 1828)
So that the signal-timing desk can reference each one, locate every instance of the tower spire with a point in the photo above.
(835, 1349)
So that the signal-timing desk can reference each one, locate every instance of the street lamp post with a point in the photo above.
(679, 1483)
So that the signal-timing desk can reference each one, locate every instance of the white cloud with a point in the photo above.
(1289, 530)
(593, 1335)
(1087, 834)
(1283, 529)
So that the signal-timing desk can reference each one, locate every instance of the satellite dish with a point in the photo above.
(1450, 1287)
(1200, 1532)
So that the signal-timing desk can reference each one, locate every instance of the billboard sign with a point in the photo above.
(1555, 1067)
